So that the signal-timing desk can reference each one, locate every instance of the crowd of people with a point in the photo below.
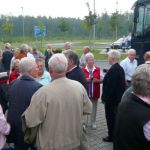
(44, 97)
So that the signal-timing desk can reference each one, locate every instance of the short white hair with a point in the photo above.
(88, 56)
(115, 54)
(26, 64)
(59, 63)
(131, 51)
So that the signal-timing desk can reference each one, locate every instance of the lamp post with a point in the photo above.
(116, 19)
(94, 26)
(22, 22)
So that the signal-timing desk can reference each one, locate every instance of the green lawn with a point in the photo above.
(100, 44)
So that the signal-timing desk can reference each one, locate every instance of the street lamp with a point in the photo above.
(116, 19)
(94, 26)
(22, 22)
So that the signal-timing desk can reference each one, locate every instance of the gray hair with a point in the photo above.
(115, 54)
(88, 56)
(71, 55)
(26, 64)
(131, 51)
(59, 63)
(67, 45)
(24, 48)
(141, 80)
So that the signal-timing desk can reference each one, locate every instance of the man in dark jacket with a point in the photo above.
(113, 89)
(74, 71)
(132, 128)
(48, 54)
(20, 93)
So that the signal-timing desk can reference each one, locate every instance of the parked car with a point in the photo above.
(119, 44)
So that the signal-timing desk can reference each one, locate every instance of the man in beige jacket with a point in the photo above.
(57, 109)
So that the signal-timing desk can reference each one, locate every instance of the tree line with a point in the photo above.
(107, 26)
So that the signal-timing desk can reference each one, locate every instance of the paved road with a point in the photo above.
(95, 136)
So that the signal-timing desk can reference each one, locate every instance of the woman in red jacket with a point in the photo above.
(15, 71)
(92, 74)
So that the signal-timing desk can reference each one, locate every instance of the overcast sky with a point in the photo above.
(61, 8)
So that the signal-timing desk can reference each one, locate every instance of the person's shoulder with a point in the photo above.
(73, 82)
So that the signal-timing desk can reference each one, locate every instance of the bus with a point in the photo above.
(140, 40)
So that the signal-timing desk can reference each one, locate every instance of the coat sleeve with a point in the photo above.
(35, 113)
(87, 104)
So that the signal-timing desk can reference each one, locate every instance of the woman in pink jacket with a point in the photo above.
(4, 128)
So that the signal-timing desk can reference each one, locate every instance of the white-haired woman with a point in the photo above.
(113, 89)
(15, 70)
(132, 128)
(92, 74)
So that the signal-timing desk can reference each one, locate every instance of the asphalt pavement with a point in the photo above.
(95, 136)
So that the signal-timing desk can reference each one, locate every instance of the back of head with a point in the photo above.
(59, 63)
(26, 64)
(24, 48)
(71, 55)
(115, 54)
(141, 80)
(147, 56)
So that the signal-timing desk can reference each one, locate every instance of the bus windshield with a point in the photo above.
(143, 20)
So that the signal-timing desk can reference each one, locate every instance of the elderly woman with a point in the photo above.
(43, 76)
(113, 89)
(92, 74)
(132, 130)
(15, 70)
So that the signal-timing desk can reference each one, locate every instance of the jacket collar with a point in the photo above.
(27, 77)
(93, 69)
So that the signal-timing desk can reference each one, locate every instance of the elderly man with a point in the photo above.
(132, 129)
(129, 65)
(44, 77)
(128, 92)
(74, 72)
(67, 46)
(61, 105)
(86, 49)
(113, 89)
(20, 93)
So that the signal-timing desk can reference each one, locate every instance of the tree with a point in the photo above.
(89, 21)
(7, 28)
(114, 23)
(63, 26)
